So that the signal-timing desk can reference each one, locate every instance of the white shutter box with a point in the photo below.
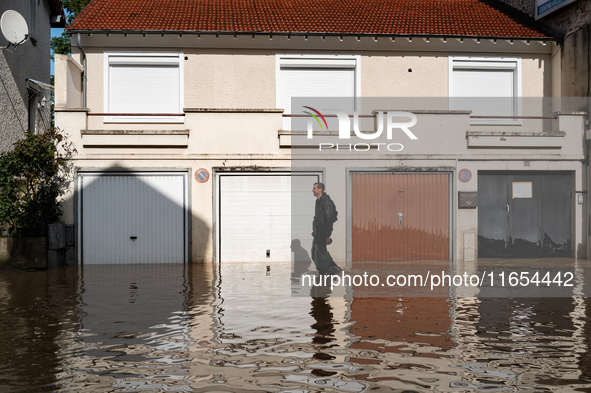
(142, 60)
(318, 63)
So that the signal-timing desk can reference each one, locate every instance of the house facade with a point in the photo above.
(25, 90)
(200, 129)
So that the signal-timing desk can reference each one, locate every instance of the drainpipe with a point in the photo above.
(588, 127)
(588, 189)
(587, 182)
(78, 43)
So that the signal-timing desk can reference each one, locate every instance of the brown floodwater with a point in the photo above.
(237, 328)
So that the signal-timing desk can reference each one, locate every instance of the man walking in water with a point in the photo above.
(325, 214)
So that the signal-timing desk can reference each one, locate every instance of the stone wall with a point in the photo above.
(23, 253)
(567, 20)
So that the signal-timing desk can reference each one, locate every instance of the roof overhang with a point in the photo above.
(310, 41)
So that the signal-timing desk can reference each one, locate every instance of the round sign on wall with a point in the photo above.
(465, 175)
(201, 175)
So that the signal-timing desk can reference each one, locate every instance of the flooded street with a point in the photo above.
(237, 328)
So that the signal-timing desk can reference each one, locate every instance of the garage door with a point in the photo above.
(259, 218)
(400, 216)
(524, 214)
(133, 218)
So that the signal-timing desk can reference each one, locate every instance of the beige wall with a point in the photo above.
(213, 143)
(248, 139)
(229, 80)
(537, 76)
(95, 80)
(202, 194)
(246, 79)
(68, 94)
(387, 75)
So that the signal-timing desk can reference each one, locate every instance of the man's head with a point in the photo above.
(318, 189)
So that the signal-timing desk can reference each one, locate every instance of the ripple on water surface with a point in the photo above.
(237, 328)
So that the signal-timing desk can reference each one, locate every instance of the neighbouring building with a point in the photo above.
(572, 20)
(24, 71)
(201, 126)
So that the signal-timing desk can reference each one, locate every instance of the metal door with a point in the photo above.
(259, 213)
(400, 216)
(524, 215)
(133, 218)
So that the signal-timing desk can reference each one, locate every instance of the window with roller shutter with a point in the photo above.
(325, 82)
(143, 87)
(489, 87)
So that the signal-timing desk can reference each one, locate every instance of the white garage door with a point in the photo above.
(259, 218)
(133, 218)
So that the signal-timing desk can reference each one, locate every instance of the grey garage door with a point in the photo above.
(133, 218)
(524, 214)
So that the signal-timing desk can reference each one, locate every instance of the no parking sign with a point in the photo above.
(465, 175)
(201, 175)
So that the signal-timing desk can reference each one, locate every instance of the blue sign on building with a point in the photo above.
(545, 7)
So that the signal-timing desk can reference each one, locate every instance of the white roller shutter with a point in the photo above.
(487, 88)
(313, 78)
(144, 89)
(140, 218)
(485, 92)
(255, 215)
(143, 84)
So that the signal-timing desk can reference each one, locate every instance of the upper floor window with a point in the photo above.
(323, 81)
(490, 87)
(143, 87)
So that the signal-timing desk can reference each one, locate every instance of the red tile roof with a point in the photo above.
(402, 17)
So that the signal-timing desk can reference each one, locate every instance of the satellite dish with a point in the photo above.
(14, 27)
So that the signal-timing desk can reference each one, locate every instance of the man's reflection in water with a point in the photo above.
(321, 309)
(322, 312)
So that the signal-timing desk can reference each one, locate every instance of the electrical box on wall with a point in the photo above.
(467, 199)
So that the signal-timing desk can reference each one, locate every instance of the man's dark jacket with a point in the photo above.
(323, 217)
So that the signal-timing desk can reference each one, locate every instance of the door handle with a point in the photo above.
(507, 209)
(399, 218)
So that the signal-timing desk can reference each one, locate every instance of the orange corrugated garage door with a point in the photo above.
(400, 216)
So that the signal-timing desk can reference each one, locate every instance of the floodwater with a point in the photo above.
(237, 328)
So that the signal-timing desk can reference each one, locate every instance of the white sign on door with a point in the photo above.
(522, 190)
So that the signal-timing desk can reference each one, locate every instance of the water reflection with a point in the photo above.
(237, 328)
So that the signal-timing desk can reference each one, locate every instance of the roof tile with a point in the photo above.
(420, 17)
